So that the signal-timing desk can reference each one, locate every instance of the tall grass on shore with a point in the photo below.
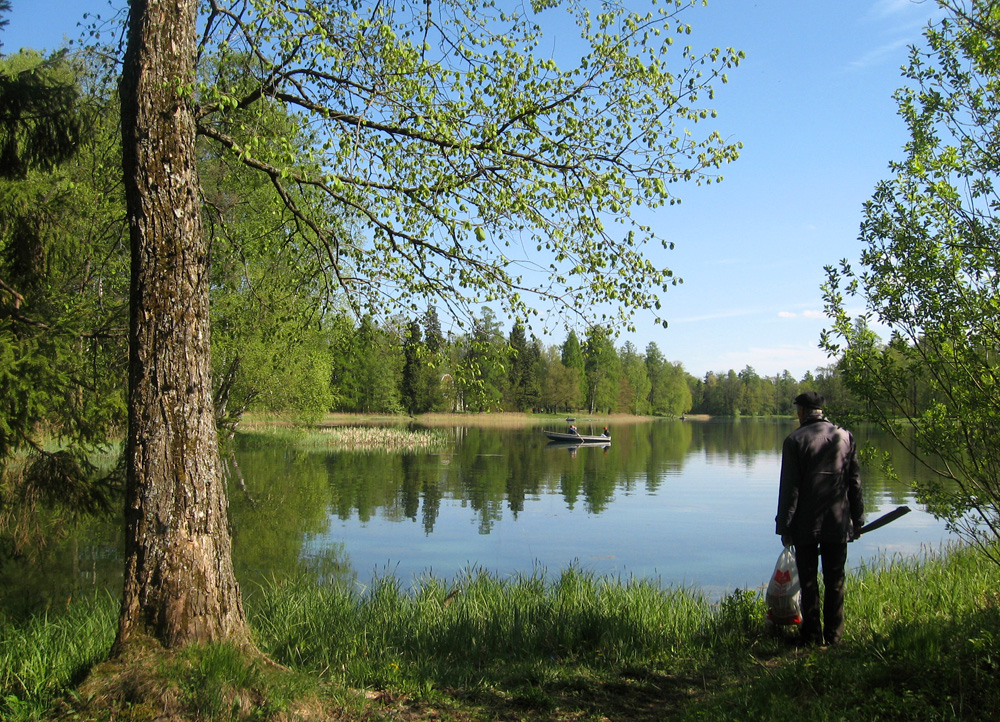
(921, 644)
(44, 655)
(481, 629)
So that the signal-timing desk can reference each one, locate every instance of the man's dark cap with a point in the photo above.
(810, 400)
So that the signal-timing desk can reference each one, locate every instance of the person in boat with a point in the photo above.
(606, 432)
(572, 429)
(820, 510)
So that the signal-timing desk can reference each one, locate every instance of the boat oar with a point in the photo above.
(885, 519)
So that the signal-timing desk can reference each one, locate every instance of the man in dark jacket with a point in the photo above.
(819, 510)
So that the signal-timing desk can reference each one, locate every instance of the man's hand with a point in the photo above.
(855, 531)
(786, 540)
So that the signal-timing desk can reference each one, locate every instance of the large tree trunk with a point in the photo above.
(179, 581)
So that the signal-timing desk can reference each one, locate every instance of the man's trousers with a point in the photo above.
(807, 558)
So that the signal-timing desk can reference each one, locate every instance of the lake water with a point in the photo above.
(687, 503)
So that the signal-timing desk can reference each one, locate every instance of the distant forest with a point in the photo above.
(411, 366)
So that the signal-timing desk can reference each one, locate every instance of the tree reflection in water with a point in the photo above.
(687, 502)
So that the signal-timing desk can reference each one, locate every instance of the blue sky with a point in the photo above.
(812, 104)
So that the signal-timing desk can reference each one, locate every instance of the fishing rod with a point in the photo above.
(884, 519)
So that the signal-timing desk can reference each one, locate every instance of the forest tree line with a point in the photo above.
(411, 366)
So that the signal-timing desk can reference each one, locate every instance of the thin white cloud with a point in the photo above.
(877, 56)
(810, 314)
(888, 8)
(905, 13)
(904, 22)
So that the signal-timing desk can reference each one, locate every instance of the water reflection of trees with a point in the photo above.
(492, 472)
(284, 502)
(74, 563)
(280, 501)
(496, 472)
(739, 441)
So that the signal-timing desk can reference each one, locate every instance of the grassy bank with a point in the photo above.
(922, 644)
(358, 432)
(253, 421)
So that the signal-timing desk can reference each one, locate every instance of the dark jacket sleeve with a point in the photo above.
(788, 489)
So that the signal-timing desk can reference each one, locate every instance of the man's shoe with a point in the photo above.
(803, 641)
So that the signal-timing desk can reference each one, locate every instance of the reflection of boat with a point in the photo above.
(565, 438)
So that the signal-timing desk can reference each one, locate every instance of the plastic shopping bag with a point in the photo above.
(782, 596)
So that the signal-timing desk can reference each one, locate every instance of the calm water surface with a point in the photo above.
(687, 503)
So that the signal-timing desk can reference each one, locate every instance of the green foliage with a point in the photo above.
(524, 384)
(41, 123)
(560, 384)
(457, 143)
(481, 369)
(635, 386)
(484, 371)
(62, 294)
(928, 273)
(669, 385)
(63, 285)
(270, 336)
(378, 365)
(603, 370)
(420, 384)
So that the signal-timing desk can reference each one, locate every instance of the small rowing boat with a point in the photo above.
(568, 438)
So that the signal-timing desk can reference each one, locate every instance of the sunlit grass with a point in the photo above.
(41, 656)
(921, 644)
(479, 626)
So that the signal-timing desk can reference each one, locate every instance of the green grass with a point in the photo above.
(42, 656)
(478, 629)
(921, 644)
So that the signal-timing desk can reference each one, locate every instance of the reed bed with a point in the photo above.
(359, 438)
(260, 421)
(369, 438)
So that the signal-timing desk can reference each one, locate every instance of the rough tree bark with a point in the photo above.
(179, 581)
